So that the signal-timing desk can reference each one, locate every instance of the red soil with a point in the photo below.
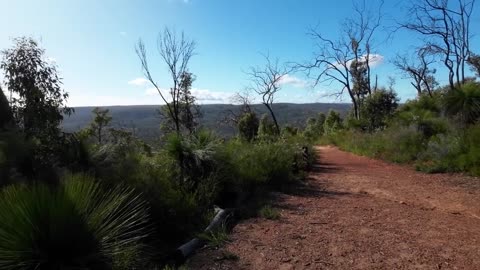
(359, 213)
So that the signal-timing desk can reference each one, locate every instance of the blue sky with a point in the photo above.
(93, 43)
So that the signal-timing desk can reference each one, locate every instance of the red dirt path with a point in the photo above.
(359, 213)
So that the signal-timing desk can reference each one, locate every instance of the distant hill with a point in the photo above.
(146, 121)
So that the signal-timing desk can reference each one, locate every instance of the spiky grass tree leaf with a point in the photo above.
(77, 225)
(465, 102)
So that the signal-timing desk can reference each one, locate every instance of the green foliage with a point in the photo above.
(266, 129)
(333, 122)
(269, 212)
(469, 159)
(248, 126)
(194, 154)
(75, 225)
(215, 238)
(183, 113)
(101, 120)
(474, 62)
(464, 102)
(377, 109)
(315, 126)
(289, 130)
(39, 101)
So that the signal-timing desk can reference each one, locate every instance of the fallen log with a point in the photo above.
(187, 249)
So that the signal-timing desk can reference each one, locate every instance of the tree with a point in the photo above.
(176, 52)
(378, 108)
(419, 71)
(248, 126)
(347, 62)
(244, 101)
(188, 111)
(99, 124)
(446, 29)
(333, 122)
(266, 83)
(38, 101)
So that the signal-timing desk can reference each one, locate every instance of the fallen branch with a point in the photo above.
(187, 249)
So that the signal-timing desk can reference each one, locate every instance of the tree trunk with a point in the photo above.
(277, 127)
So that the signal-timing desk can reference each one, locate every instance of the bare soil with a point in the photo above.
(359, 213)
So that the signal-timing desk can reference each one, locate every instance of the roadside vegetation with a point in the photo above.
(438, 130)
(101, 198)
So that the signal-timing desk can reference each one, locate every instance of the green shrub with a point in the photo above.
(248, 126)
(266, 129)
(75, 225)
(469, 160)
(269, 212)
(215, 238)
(464, 102)
(441, 154)
(332, 123)
(377, 109)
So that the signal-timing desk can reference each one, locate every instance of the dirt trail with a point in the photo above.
(359, 213)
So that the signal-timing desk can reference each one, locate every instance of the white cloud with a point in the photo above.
(203, 96)
(123, 34)
(208, 96)
(374, 60)
(293, 81)
(139, 82)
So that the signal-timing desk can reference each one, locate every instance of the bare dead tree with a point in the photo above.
(418, 70)
(360, 29)
(347, 61)
(446, 29)
(266, 82)
(176, 52)
(244, 101)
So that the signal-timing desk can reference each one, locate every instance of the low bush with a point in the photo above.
(269, 212)
(75, 225)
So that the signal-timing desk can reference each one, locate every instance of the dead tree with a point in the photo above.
(418, 70)
(244, 100)
(446, 29)
(266, 82)
(347, 62)
(175, 51)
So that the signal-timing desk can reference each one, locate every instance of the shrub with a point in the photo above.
(469, 160)
(315, 126)
(75, 225)
(441, 154)
(269, 212)
(377, 108)
(266, 128)
(248, 126)
(215, 238)
(246, 168)
(333, 122)
(464, 102)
